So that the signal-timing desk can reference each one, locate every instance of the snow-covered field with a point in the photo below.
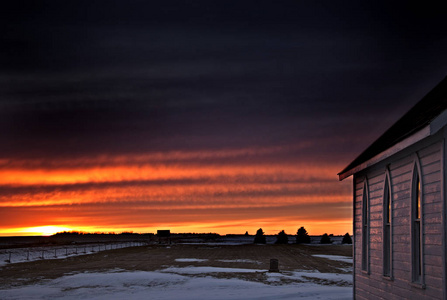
(188, 283)
(185, 280)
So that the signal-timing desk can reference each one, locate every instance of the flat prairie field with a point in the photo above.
(311, 267)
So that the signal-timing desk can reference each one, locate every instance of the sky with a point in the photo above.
(201, 116)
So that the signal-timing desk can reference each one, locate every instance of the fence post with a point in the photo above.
(55, 253)
(43, 257)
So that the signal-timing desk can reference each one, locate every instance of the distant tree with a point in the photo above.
(260, 237)
(302, 237)
(325, 239)
(127, 233)
(246, 233)
(282, 238)
(69, 233)
(346, 239)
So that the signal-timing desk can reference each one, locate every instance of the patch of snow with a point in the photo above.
(204, 270)
(215, 243)
(190, 260)
(250, 261)
(347, 278)
(346, 259)
(345, 270)
(164, 286)
(306, 275)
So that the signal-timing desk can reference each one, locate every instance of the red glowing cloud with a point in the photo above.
(183, 191)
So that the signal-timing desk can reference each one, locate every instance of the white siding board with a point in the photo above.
(375, 174)
(430, 159)
(434, 230)
(401, 163)
(400, 204)
(430, 239)
(400, 211)
(435, 280)
(432, 187)
(400, 229)
(432, 208)
(403, 239)
(435, 176)
(427, 169)
(404, 178)
(432, 219)
(403, 187)
(375, 187)
(430, 149)
(434, 262)
(432, 198)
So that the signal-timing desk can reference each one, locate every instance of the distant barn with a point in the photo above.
(400, 206)
(164, 235)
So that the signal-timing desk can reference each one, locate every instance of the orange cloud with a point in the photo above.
(161, 172)
(181, 190)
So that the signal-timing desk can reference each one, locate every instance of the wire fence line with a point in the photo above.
(16, 255)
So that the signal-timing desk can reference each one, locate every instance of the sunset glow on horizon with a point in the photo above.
(181, 191)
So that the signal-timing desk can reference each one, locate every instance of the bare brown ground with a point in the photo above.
(157, 257)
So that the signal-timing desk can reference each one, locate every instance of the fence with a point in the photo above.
(53, 252)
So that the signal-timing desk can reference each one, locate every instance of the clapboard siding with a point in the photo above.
(372, 284)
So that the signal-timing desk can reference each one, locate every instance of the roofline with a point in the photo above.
(432, 128)
(421, 134)
(396, 138)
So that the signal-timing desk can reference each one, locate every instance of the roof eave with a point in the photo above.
(416, 137)
(426, 118)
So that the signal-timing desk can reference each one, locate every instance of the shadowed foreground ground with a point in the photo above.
(156, 257)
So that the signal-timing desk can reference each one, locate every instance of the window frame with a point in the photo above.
(417, 225)
(387, 227)
(365, 227)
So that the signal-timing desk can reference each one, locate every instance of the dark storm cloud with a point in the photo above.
(92, 77)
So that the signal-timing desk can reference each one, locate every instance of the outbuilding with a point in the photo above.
(399, 206)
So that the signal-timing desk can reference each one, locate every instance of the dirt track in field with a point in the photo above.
(157, 257)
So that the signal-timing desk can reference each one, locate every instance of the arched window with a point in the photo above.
(365, 228)
(416, 226)
(387, 216)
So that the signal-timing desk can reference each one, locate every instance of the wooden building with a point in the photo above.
(399, 213)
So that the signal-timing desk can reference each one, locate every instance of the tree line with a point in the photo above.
(302, 237)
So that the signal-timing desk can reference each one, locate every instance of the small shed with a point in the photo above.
(164, 235)
(399, 206)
